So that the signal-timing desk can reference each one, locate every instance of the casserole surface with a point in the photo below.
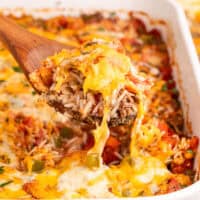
(63, 39)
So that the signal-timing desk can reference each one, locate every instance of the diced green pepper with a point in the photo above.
(90, 44)
(58, 142)
(33, 92)
(170, 81)
(66, 132)
(1, 169)
(5, 183)
(164, 87)
(130, 161)
(38, 165)
(101, 29)
(17, 69)
(92, 160)
(174, 91)
(147, 39)
(189, 172)
(112, 14)
(25, 84)
(183, 186)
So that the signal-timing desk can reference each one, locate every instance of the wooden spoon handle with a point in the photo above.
(27, 48)
(17, 40)
(12, 34)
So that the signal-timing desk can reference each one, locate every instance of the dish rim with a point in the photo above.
(195, 66)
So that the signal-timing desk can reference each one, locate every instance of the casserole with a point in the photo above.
(189, 96)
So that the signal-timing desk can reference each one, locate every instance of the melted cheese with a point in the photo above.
(88, 183)
(108, 74)
(13, 194)
(101, 135)
(20, 83)
(103, 67)
(5, 73)
(13, 189)
(136, 175)
(44, 185)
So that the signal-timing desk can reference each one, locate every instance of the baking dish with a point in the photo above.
(186, 71)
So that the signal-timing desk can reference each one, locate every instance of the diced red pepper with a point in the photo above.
(171, 84)
(113, 142)
(188, 164)
(139, 26)
(112, 146)
(156, 34)
(89, 143)
(63, 22)
(108, 155)
(28, 121)
(194, 142)
(173, 185)
(163, 126)
(170, 140)
(168, 133)
(177, 169)
(166, 72)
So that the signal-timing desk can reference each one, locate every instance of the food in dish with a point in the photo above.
(45, 156)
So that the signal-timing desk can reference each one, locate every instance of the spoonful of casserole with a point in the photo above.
(83, 83)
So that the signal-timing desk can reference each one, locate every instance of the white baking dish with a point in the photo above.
(186, 65)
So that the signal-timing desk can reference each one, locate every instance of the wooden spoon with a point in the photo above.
(28, 49)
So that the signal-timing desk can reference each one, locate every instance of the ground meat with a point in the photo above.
(89, 107)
